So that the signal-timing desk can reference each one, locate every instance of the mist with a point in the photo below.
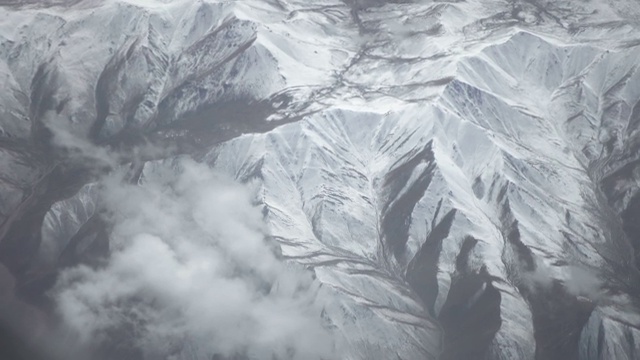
(190, 275)
(576, 280)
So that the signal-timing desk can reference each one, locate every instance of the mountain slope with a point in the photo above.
(460, 176)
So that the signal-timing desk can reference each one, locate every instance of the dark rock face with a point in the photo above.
(470, 318)
(631, 225)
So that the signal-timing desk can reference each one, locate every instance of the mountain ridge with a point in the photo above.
(425, 159)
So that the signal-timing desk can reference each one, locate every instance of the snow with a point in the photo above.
(516, 111)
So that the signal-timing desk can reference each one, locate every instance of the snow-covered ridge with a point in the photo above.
(459, 174)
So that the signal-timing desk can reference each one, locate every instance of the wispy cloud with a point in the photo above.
(191, 275)
(576, 280)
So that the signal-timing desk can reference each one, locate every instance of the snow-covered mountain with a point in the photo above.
(461, 176)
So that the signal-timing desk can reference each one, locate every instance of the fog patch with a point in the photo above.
(577, 280)
(191, 276)
(77, 148)
(584, 282)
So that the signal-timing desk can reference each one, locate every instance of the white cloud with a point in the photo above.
(577, 280)
(190, 271)
(78, 147)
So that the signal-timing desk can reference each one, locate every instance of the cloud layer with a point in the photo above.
(191, 276)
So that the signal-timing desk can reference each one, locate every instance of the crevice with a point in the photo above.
(423, 268)
(471, 316)
(402, 197)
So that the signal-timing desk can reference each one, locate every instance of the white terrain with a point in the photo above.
(461, 178)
